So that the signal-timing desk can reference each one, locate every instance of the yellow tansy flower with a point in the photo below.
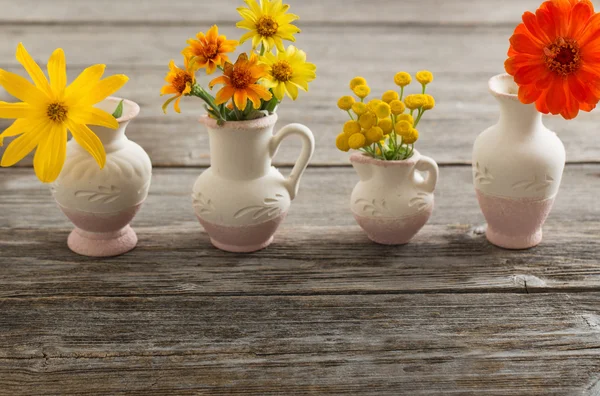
(351, 127)
(356, 81)
(362, 91)
(397, 107)
(386, 125)
(268, 24)
(402, 79)
(346, 103)
(414, 102)
(51, 108)
(374, 134)
(209, 50)
(424, 77)
(390, 96)
(341, 142)
(403, 127)
(367, 120)
(430, 104)
(406, 117)
(373, 103)
(357, 141)
(359, 108)
(411, 137)
(180, 82)
(383, 110)
(287, 72)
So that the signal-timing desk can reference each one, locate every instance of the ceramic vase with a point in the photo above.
(242, 199)
(102, 202)
(517, 169)
(392, 201)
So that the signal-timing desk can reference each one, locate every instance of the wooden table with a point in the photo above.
(322, 310)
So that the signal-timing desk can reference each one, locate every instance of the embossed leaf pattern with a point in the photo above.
(102, 194)
(483, 175)
(202, 204)
(533, 184)
(374, 207)
(420, 201)
(269, 209)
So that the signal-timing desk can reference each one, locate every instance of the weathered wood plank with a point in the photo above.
(319, 250)
(481, 344)
(464, 109)
(193, 11)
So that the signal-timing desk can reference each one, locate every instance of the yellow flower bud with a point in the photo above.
(430, 102)
(397, 107)
(345, 102)
(406, 117)
(414, 102)
(351, 127)
(367, 120)
(389, 96)
(341, 142)
(411, 137)
(374, 134)
(356, 141)
(383, 110)
(402, 79)
(362, 91)
(373, 103)
(403, 127)
(424, 77)
(359, 108)
(386, 125)
(356, 81)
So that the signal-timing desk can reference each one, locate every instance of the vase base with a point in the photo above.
(519, 242)
(107, 244)
(393, 231)
(241, 248)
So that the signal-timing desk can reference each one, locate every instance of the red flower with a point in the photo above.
(554, 57)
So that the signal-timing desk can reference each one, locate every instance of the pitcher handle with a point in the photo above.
(308, 148)
(426, 164)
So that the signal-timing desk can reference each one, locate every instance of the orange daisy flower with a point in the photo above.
(554, 57)
(209, 50)
(240, 82)
(180, 82)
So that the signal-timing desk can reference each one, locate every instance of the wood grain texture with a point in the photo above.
(318, 250)
(468, 344)
(191, 12)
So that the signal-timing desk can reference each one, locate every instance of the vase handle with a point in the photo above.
(426, 164)
(308, 148)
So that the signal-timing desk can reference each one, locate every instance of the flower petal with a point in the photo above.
(104, 89)
(21, 146)
(57, 70)
(51, 153)
(556, 98)
(292, 90)
(529, 93)
(33, 69)
(17, 128)
(89, 141)
(93, 116)
(22, 89)
(240, 98)
(15, 110)
(524, 44)
(224, 94)
(84, 83)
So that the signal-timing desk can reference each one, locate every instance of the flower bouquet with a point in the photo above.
(392, 201)
(100, 178)
(241, 199)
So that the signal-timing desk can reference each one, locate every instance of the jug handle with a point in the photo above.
(426, 164)
(308, 148)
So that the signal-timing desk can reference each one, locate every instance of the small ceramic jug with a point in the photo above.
(392, 201)
(241, 199)
(102, 202)
(517, 169)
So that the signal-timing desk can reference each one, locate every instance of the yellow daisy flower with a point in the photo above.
(50, 108)
(209, 51)
(287, 71)
(268, 24)
(180, 83)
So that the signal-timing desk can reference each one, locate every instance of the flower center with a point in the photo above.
(211, 50)
(57, 112)
(562, 57)
(267, 26)
(241, 77)
(282, 71)
(181, 81)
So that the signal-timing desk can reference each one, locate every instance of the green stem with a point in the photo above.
(262, 49)
(350, 114)
(423, 88)
(238, 114)
(401, 93)
(421, 112)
